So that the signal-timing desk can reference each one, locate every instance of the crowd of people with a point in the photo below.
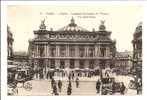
(63, 73)
(110, 88)
(57, 86)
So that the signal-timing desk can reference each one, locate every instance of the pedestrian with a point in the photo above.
(122, 88)
(138, 86)
(55, 89)
(106, 74)
(15, 90)
(23, 82)
(98, 86)
(59, 85)
(73, 75)
(69, 89)
(113, 87)
(69, 77)
(77, 82)
(52, 82)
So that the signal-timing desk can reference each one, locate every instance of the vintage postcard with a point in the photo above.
(74, 49)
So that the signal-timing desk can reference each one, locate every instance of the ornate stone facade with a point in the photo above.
(71, 47)
(137, 51)
(9, 44)
(123, 64)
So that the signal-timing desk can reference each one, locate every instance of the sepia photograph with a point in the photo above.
(74, 50)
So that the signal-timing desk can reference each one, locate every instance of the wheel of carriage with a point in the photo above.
(28, 86)
(104, 92)
(132, 85)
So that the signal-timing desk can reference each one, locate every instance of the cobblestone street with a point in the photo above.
(87, 86)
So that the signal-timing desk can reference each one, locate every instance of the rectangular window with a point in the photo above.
(91, 64)
(62, 51)
(62, 64)
(72, 51)
(91, 51)
(52, 63)
(71, 63)
(81, 52)
(53, 51)
(81, 64)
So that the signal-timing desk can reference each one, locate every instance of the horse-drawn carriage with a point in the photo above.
(24, 75)
(109, 86)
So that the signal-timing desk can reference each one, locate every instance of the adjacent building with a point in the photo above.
(20, 57)
(11, 68)
(137, 57)
(71, 48)
(137, 50)
(10, 41)
(123, 64)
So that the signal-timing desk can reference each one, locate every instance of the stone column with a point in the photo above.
(99, 51)
(77, 51)
(49, 64)
(48, 50)
(45, 68)
(45, 50)
(35, 64)
(35, 67)
(57, 51)
(85, 51)
(96, 64)
(76, 64)
(67, 63)
(67, 50)
(37, 53)
(86, 63)
(108, 52)
(57, 63)
(96, 51)
(46, 55)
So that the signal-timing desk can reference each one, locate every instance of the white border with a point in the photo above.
(65, 3)
(73, 3)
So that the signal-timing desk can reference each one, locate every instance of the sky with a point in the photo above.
(119, 19)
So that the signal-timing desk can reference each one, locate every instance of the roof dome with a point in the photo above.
(72, 27)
